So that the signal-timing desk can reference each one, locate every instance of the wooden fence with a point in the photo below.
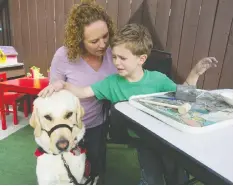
(189, 29)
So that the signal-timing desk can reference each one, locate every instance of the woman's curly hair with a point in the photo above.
(80, 16)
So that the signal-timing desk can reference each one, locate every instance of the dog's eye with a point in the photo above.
(68, 115)
(48, 117)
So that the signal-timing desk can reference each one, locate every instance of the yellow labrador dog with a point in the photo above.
(58, 128)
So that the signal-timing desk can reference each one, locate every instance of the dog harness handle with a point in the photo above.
(72, 178)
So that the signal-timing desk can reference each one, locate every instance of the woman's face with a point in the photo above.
(96, 38)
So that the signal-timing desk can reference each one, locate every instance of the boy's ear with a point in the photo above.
(143, 58)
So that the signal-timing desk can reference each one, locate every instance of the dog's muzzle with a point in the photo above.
(62, 144)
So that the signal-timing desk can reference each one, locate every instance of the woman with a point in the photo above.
(85, 59)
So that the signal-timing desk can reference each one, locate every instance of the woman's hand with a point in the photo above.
(53, 87)
(204, 64)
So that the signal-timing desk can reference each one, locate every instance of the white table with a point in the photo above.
(211, 151)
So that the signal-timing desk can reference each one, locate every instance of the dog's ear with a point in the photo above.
(35, 123)
(79, 114)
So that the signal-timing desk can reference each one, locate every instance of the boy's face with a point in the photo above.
(126, 63)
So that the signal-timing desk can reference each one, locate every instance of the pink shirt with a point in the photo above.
(81, 74)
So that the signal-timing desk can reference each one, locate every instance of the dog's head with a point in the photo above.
(57, 122)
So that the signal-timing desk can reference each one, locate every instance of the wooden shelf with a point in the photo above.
(13, 71)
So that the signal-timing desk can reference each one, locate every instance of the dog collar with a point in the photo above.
(39, 151)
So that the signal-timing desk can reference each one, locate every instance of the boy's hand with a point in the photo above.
(53, 87)
(204, 64)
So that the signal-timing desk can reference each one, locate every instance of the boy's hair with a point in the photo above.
(136, 38)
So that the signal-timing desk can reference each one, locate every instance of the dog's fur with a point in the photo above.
(50, 168)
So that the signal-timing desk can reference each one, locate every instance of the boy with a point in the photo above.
(130, 48)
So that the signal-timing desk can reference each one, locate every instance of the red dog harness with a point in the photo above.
(39, 151)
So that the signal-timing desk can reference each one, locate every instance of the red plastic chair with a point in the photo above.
(12, 99)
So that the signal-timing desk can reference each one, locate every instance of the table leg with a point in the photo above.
(2, 109)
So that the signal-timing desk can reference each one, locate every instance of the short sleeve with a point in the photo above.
(57, 69)
(102, 89)
(167, 85)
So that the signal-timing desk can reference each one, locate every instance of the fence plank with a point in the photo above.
(25, 34)
(16, 27)
(162, 20)
(50, 31)
(77, 1)
(188, 39)
(174, 32)
(136, 11)
(227, 75)
(219, 41)
(3, 37)
(12, 20)
(204, 33)
(67, 6)
(59, 22)
(4, 25)
(33, 32)
(112, 10)
(42, 42)
(102, 3)
(149, 14)
(123, 12)
(8, 24)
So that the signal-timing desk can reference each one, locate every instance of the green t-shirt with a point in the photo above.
(116, 88)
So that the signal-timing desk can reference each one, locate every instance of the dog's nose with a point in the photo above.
(62, 144)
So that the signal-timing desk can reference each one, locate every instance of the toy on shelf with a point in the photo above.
(8, 55)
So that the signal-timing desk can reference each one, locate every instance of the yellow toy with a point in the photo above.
(2, 57)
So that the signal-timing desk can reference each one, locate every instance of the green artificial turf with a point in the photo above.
(18, 163)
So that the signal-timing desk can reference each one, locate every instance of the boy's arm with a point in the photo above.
(101, 89)
(200, 68)
(80, 92)
(191, 79)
